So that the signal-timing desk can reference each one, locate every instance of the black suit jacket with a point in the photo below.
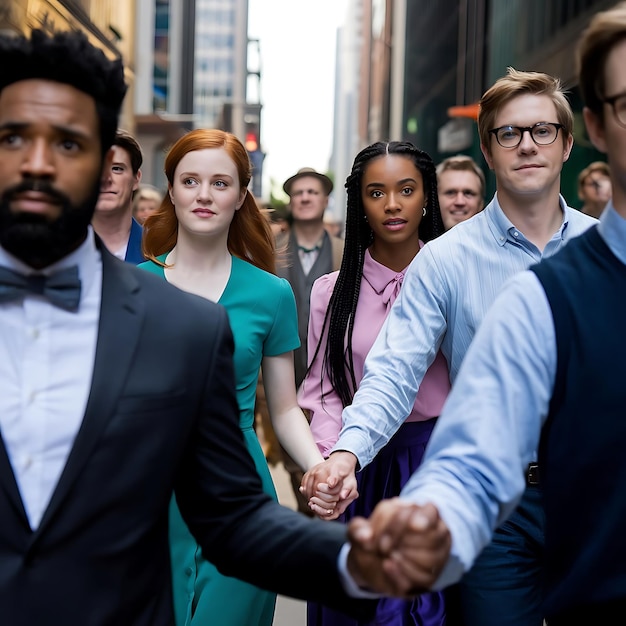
(161, 415)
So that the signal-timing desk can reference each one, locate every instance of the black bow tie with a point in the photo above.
(62, 288)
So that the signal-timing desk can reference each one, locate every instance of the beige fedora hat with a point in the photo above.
(308, 171)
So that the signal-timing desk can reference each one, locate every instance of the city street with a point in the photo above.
(289, 612)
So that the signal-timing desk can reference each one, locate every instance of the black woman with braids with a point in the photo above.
(392, 212)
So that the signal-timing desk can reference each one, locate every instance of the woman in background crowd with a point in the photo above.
(146, 202)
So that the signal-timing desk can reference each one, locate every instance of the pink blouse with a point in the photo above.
(379, 289)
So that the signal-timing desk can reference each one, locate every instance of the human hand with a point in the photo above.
(324, 502)
(333, 480)
(412, 540)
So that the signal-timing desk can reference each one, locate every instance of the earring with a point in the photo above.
(423, 211)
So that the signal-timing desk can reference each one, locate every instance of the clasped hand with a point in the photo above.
(331, 485)
(400, 550)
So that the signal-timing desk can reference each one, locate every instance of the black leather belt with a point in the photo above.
(532, 474)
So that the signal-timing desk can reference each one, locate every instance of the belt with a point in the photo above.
(532, 474)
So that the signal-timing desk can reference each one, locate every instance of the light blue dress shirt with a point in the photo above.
(475, 462)
(446, 292)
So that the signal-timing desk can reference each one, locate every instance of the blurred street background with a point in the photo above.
(289, 612)
(312, 83)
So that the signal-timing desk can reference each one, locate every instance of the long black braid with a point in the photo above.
(339, 319)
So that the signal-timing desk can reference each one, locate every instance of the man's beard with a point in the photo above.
(35, 239)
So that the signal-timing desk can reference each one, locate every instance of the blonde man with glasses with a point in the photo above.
(525, 127)
(545, 371)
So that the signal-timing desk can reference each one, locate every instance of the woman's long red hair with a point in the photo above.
(249, 237)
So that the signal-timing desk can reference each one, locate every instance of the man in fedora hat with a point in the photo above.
(310, 253)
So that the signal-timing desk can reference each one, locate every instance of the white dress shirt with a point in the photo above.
(46, 365)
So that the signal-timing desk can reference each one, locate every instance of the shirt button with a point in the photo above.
(515, 234)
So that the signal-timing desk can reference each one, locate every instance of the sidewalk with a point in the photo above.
(289, 612)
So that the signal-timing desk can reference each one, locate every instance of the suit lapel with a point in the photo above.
(121, 316)
(9, 485)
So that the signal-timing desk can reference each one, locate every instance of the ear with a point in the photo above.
(487, 155)
(170, 193)
(137, 180)
(567, 148)
(242, 197)
(595, 129)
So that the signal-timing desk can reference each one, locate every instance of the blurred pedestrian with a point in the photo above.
(146, 202)
(461, 184)
(113, 218)
(594, 188)
(310, 253)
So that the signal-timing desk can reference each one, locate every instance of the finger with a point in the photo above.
(349, 491)
(360, 532)
(419, 571)
(398, 580)
(322, 513)
(324, 501)
(342, 505)
(396, 528)
(325, 488)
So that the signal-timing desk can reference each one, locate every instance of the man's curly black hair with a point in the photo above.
(67, 57)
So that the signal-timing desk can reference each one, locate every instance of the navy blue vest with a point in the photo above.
(582, 454)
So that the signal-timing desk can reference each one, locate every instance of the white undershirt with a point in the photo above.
(46, 365)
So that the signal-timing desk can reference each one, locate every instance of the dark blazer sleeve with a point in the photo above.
(241, 529)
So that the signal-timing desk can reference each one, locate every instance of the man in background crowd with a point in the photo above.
(594, 188)
(113, 218)
(461, 189)
(310, 253)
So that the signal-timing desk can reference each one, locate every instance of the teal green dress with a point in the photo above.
(262, 313)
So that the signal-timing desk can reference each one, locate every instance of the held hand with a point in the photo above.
(413, 541)
(324, 502)
(367, 569)
(333, 478)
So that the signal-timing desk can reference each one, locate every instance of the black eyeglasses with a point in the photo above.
(618, 104)
(542, 133)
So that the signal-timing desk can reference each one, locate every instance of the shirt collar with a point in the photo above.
(612, 229)
(501, 226)
(378, 275)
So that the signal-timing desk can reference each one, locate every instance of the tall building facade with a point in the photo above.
(425, 63)
(192, 72)
(109, 24)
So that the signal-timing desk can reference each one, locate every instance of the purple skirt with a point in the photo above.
(383, 478)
